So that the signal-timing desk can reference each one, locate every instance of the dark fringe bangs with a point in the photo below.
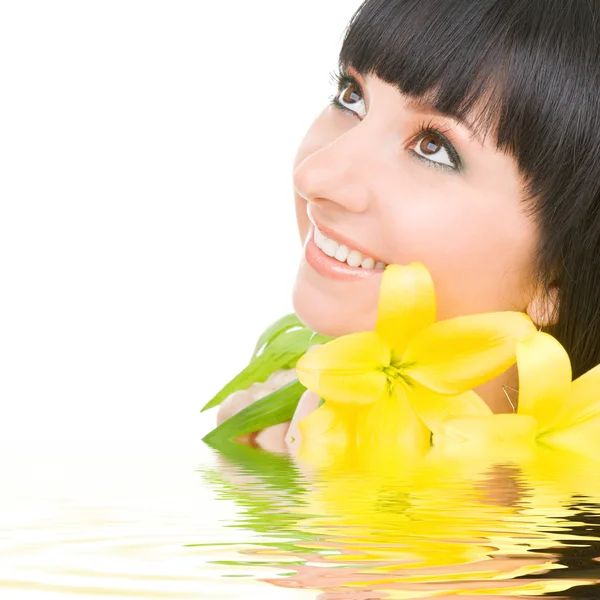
(514, 68)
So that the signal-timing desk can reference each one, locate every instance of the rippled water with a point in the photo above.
(184, 521)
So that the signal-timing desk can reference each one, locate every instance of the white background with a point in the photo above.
(147, 233)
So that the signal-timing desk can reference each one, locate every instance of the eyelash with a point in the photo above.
(343, 80)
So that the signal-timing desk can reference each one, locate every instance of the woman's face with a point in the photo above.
(389, 180)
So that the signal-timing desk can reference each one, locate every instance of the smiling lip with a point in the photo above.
(330, 267)
(341, 239)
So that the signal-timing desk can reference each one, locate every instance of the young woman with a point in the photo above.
(464, 135)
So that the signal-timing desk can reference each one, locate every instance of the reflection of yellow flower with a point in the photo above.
(440, 526)
(552, 411)
(443, 528)
(435, 527)
(388, 388)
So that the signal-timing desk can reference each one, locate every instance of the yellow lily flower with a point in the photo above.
(552, 412)
(386, 388)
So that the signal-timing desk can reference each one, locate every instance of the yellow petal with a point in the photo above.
(433, 408)
(578, 424)
(544, 377)
(583, 438)
(456, 355)
(500, 431)
(583, 403)
(406, 304)
(327, 434)
(390, 425)
(347, 369)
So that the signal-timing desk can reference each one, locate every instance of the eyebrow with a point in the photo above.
(421, 105)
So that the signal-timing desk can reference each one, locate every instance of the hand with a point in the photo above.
(282, 438)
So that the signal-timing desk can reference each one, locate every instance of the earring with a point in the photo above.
(542, 319)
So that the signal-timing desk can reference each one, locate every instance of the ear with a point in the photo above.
(543, 307)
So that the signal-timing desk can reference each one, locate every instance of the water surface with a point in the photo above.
(182, 521)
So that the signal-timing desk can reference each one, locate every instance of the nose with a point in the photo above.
(342, 172)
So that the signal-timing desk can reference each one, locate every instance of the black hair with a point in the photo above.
(529, 70)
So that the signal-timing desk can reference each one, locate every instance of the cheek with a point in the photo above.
(481, 259)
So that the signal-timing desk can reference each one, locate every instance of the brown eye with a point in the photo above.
(349, 96)
(436, 151)
(430, 144)
(350, 99)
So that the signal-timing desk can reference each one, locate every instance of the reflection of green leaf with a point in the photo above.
(271, 490)
(282, 353)
(277, 407)
(278, 471)
(256, 563)
(253, 460)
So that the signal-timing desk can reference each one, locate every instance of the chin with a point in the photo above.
(325, 322)
(332, 314)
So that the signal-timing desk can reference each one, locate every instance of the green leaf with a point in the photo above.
(315, 338)
(318, 338)
(273, 409)
(282, 353)
(275, 329)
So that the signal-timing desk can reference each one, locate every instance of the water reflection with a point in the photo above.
(432, 529)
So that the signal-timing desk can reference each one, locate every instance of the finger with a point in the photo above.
(309, 402)
(282, 377)
(272, 438)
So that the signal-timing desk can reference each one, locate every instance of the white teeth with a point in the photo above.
(342, 253)
(355, 258)
(368, 263)
(329, 247)
(319, 238)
